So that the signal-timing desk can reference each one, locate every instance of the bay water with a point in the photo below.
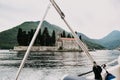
(51, 65)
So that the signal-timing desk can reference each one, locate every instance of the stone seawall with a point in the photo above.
(44, 48)
(36, 48)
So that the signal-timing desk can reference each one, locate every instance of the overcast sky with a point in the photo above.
(94, 18)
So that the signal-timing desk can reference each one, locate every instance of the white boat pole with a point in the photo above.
(79, 42)
(31, 43)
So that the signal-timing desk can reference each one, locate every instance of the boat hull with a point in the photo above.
(115, 70)
(70, 77)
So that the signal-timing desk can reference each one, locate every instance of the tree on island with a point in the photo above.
(53, 38)
(43, 39)
(45, 36)
(19, 36)
(68, 36)
(64, 34)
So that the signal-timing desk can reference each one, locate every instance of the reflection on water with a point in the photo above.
(50, 65)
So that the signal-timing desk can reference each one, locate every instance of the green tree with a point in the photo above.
(24, 38)
(64, 34)
(36, 43)
(53, 38)
(61, 35)
(80, 37)
(29, 37)
(45, 36)
(39, 37)
(68, 36)
(19, 36)
(76, 32)
(31, 34)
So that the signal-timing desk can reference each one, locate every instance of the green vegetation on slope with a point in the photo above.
(8, 38)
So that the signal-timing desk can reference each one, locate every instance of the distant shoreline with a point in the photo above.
(55, 51)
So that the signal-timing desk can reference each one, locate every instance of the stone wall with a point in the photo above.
(36, 48)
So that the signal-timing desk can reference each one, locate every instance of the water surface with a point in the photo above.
(50, 65)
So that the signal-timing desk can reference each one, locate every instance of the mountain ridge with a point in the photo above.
(8, 37)
(111, 41)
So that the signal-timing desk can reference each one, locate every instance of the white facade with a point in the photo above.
(68, 44)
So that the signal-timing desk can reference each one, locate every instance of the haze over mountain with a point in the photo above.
(111, 41)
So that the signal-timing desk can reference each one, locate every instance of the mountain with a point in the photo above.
(111, 41)
(90, 42)
(8, 38)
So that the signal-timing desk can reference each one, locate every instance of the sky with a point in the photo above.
(94, 18)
